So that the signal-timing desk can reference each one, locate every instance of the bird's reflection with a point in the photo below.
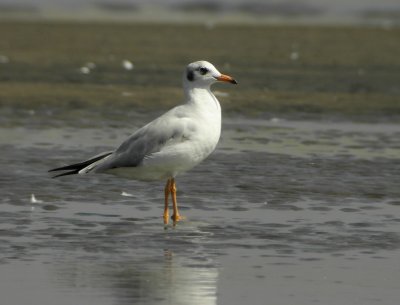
(162, 279)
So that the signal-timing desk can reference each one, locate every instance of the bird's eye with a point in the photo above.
(203, 70)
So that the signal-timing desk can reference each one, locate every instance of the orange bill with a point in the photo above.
(226, 78)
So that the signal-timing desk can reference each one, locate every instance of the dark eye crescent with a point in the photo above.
(203, 70)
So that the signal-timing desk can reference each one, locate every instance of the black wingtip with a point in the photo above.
(75, 168)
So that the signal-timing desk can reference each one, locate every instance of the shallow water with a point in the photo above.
(285, 211)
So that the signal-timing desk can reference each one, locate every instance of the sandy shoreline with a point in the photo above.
(348, 71)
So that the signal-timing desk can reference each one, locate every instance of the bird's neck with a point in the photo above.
(201, 96)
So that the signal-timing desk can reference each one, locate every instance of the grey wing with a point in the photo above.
(150, 139)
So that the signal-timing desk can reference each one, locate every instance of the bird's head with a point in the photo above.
(203, 74)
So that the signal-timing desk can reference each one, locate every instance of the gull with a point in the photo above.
(170, 145)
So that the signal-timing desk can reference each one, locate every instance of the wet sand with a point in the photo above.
(268, 220)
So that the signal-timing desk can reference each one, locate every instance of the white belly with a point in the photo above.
(170, 162)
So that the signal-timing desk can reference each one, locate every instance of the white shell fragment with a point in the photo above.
(125, 194)
(84, 70)
(34, 200)
(127, 65)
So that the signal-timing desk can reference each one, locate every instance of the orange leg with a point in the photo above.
(175, 216)
(167, 190)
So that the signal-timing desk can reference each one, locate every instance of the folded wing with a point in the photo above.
(146, 141)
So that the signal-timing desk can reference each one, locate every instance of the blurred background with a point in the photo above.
(321, 11)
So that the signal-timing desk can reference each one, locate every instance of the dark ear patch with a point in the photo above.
(190, 75)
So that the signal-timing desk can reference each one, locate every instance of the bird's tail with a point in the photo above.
(74, 169)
